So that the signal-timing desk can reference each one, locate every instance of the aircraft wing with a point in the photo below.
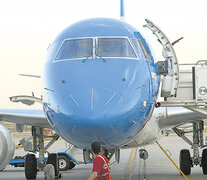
(175, 116)
(32, 117)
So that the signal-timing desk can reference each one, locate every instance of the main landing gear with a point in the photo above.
(186, 161)
(31, 163)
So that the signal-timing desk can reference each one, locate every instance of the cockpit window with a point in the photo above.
(75, 48)
(137, 47)
(145, 51)
(115, 47)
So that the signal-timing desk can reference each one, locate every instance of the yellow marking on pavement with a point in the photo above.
(172, 161)
(128, 170)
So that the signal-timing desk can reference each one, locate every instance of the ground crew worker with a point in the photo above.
(100, 164)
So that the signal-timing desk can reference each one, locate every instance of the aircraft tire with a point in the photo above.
(204, 161)
(64, 162)
(53, 159)
(30, 166)
(185, 161)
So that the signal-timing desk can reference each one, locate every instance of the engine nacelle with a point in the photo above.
(6, 147)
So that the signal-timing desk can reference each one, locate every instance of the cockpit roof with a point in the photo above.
(98, 27)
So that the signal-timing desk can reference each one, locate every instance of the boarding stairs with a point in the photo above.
(181, 84)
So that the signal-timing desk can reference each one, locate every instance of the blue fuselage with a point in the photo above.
(99, 98)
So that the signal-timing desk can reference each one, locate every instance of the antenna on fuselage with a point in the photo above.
(122, 10)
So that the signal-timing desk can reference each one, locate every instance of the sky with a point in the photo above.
(27, 27)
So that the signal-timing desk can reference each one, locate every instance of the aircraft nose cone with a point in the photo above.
(93, 102)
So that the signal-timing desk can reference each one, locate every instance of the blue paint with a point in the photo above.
(97, 100)
(121, 8)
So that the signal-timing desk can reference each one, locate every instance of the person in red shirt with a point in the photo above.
(100, 164)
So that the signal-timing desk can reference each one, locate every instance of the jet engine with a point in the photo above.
(6, 147)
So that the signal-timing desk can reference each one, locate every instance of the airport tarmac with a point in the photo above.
(158, 167)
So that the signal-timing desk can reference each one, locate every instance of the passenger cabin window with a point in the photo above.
(145, 51)
(115, 47)
(75, 48)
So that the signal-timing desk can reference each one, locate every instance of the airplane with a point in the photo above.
(102, 83)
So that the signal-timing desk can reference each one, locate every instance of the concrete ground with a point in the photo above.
(158, 167)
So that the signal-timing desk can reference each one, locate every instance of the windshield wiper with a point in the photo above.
(96, 53)
(84, 60)
(101, 58)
